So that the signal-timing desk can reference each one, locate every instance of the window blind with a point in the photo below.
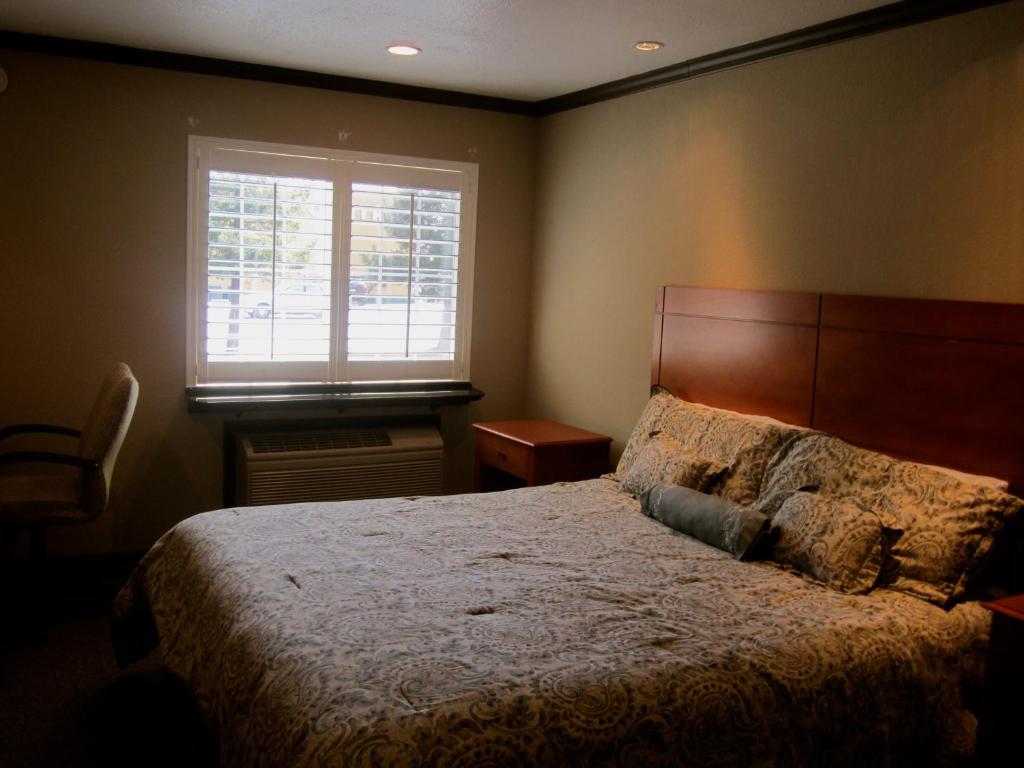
(403, 273)
(322, 265)
(268, 268)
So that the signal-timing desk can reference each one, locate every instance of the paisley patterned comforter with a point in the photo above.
(554, 626)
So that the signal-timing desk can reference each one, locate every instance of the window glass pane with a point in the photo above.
(403, 273)
(269, 268)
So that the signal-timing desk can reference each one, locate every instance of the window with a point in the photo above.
(325, 266)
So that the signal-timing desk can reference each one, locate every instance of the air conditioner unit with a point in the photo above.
(337, 464)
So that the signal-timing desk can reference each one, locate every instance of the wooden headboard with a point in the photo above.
(940, 382)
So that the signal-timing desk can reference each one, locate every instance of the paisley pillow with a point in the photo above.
(949, 525)
(742, 443)
(665, 460)
(661, 400)
(835, 542)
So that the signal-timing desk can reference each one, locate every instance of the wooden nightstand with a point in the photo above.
(1002, 710)
(516, 453)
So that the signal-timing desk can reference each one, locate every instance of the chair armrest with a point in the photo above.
(31, 457)
(20, 429)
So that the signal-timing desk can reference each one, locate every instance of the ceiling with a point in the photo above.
(516, 49)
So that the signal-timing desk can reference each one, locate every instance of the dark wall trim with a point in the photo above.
(881, 19)
(894, 16)
(202, 65)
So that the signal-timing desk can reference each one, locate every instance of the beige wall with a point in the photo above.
(889, 165)
(92, 242)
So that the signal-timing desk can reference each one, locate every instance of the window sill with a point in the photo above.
(241, 398)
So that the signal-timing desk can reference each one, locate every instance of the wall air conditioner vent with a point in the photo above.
(338, 464)
(285, 442)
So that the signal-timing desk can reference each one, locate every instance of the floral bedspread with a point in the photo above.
(543, 626)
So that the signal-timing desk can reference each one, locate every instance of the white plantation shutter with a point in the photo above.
(268, 268)
(334, 268)
(403, 275)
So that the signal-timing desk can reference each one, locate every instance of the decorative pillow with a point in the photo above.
(948, 525)
(744, 444)
(664, 460)
(649, 424)
(835, 542)
(738, 530)
(969, 477)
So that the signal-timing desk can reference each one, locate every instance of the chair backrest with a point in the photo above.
(103, 433)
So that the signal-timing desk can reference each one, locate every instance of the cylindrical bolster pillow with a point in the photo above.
(730, 527)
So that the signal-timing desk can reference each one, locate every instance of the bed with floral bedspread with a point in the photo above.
(543, 626)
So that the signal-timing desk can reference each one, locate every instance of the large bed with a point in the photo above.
(561, 625)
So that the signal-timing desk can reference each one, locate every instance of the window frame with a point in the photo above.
(347, 167)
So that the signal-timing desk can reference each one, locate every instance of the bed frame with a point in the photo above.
(940, 382)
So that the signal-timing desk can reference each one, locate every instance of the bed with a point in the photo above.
(562, 626)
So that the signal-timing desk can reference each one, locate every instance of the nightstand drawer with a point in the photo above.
(504, 454)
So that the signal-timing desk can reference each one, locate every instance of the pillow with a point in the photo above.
(967, 477)
(664, 460)
(835, 542)
(649, 424)
(949, 525)
(738, 530)
(743, 444)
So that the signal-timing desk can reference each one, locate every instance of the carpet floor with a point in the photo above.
(64, 702)
(50, 694)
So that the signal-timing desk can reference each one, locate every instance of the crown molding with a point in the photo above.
(884, 18)
(204, 65)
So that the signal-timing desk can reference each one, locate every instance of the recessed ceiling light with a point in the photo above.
(403, 50)
(648, 45)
